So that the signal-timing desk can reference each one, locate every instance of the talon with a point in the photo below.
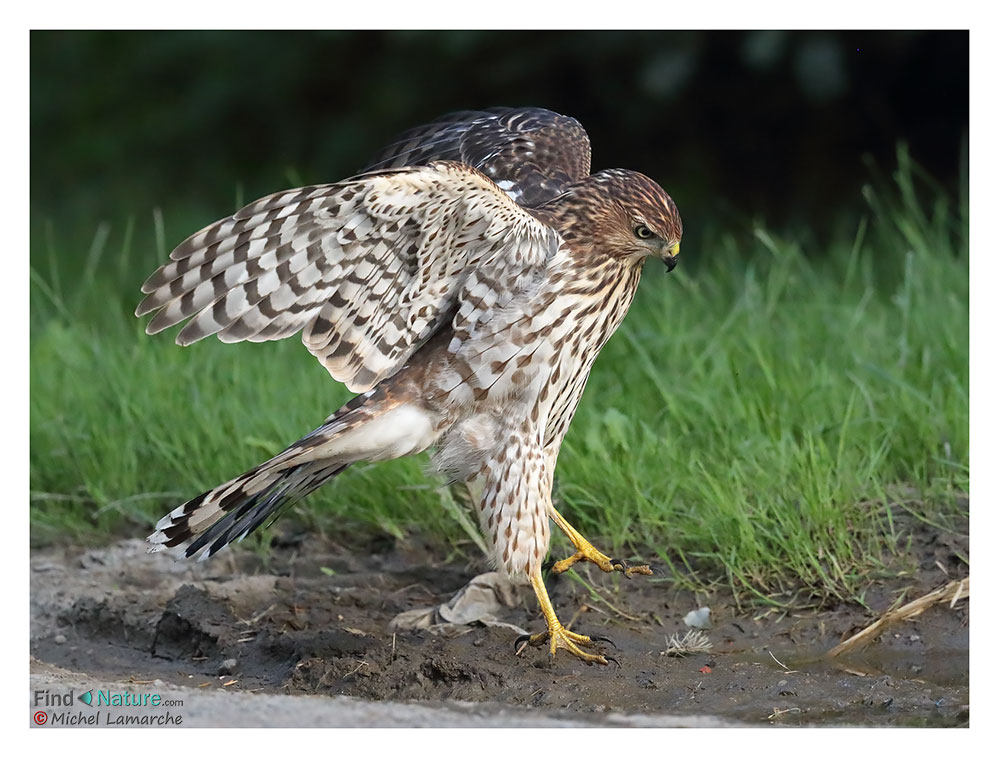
(612, 658)
(534, 640)
(622, 566)
(601, 638)
(520, 644)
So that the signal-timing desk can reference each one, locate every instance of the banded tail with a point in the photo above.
(370, 427)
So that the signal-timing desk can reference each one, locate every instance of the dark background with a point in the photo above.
(737, 126)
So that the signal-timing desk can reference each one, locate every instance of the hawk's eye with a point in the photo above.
(643, 232)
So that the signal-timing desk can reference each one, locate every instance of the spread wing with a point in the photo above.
(370, 267)
(531, 153)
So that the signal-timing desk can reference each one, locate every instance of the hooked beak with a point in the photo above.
(669, 256)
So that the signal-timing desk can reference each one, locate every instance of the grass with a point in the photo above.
(766, 415)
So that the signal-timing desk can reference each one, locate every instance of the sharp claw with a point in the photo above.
(521, 643)
(612, 658)
(600, 638)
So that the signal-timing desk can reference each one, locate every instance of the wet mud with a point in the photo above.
(313, 618)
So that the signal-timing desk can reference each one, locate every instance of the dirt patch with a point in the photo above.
(312, 618)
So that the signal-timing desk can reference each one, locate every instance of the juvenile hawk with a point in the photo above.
(463, 285)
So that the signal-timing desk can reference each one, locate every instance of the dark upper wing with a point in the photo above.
(531, 153)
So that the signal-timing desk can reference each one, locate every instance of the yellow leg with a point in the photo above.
(557, 635)
(586, 552)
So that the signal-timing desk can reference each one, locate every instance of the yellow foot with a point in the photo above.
(587, 552)
(559, 637)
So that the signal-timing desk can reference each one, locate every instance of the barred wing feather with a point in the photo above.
(369, 267)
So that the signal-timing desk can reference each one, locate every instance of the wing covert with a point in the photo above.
(533, 154)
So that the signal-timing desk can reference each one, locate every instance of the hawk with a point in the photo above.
(462, 285)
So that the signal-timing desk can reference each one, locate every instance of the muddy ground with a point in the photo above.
(310, 617)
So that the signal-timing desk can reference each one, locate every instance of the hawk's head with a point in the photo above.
(624, 213)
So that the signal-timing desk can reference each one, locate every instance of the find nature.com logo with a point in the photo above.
(45, 703)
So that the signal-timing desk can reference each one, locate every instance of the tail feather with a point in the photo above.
(373, 426)
(207, 523)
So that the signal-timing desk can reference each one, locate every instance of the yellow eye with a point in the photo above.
(643, 232)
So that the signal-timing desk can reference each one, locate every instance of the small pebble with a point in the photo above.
(59, 639)
(228, 666)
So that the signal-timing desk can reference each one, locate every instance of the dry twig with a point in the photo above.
(786, 669)
(950, 593)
